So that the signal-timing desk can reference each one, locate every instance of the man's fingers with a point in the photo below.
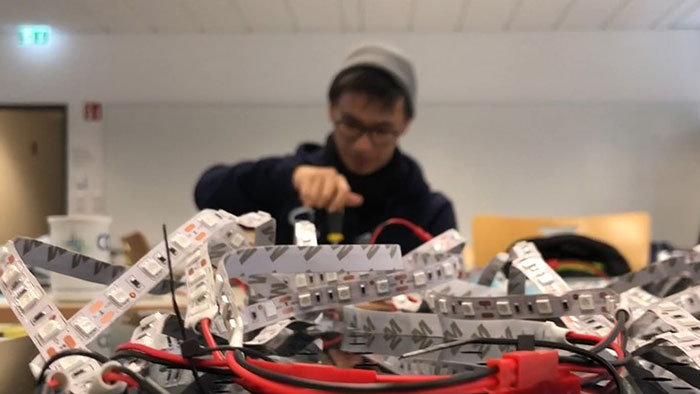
(328, 190)
(306, 194)
(341, 191)
(354, 200)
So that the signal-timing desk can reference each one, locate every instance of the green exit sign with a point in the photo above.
(34, 35)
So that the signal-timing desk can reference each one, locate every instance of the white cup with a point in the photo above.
(84, 234)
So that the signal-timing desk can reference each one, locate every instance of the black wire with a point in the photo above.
(621, 318)
(176, 308)
(362, 387)
(67, 353)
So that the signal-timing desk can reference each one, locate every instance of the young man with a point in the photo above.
(360, 171)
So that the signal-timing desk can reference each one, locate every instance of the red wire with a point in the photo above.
(417, 230)
(53, 383)
(596, 339)
(112, 377)
(250, 380)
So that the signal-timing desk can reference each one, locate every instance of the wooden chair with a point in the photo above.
(629, 233)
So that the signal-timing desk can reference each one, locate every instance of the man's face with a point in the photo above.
(366, 131)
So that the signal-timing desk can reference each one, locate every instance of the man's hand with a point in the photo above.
(324, 187)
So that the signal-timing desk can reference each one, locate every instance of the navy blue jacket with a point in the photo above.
(397, 190)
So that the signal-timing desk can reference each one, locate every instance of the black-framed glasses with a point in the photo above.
(352, 129)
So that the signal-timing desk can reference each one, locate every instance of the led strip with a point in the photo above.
(528, 260)
(391, 333)
(324, 258)
(201, 302)
(339, 289)
(654, 272)
(539, 306)
(45, 324)
(56, 259)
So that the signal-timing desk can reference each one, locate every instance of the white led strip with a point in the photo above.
(136, 282)
(199, 277)
(350, 288)
(573, 303)
(528, 260)
(45, 324)
(392, 333)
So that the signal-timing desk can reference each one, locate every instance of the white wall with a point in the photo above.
(519, 159)
(457, 73)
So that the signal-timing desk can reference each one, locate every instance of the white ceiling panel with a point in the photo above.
(666, 18)
(589, 14)
(336, 16)
(489, 15)
(218, 16)
(317, 15)
(351, 16)
(640, 14)
(688, 17)
(387, 15)
(268, 16)
(538, 14)
(437, 15)
(166, 16)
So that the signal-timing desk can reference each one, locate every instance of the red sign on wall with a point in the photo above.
(92, 112)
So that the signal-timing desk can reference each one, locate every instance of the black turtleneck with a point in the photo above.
(396, 190)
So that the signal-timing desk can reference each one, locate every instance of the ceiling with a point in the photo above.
(346, 16)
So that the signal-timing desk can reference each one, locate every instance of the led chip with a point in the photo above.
(331, 276)
(192, 258)
(585, 302)
(503, 308)
(545, 278)
(382, 286)
(448, 268)
(343, 293)
(27, 300)
(543, 306)
(685, 337)
(467, 308)
(181, 241)
(151, 268)
(11, 274)
(442, 305)
(527, 263)
(117, 296)
(50, 330)
(84, 325)
(208, 219)
(419, 278)
(195, 274)
(305, 300)
(301, 280)
(269, 309)
(237, 240)
(67, 363)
